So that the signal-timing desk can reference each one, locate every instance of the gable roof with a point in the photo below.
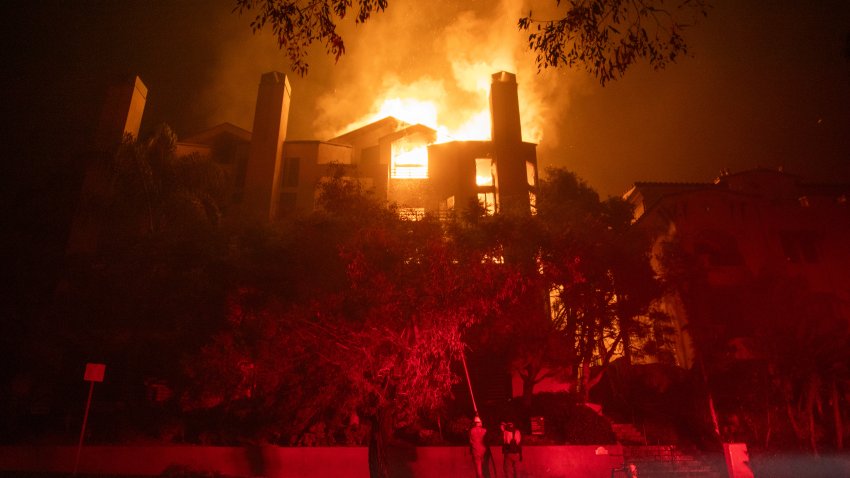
(208, 136)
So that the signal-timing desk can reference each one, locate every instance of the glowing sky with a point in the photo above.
(768, 83)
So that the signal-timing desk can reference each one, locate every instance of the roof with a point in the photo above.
(759, 182)
(390, 124)
(209, 135)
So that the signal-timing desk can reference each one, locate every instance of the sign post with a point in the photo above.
(94, 373)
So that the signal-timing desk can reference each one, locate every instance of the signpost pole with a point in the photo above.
(83, 429)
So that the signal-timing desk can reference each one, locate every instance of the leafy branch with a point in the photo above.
(297, 25)
(608, 36)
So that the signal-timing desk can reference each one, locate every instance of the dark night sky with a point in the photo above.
(768, 84)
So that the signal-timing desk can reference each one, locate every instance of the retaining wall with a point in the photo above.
(313, 462)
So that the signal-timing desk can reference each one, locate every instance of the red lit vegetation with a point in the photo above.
(776, 355)
(345, 326)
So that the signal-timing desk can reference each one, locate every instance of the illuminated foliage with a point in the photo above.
(296, 24)
(361, 315)
(606, 37)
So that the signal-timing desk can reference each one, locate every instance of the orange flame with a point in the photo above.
(461, 113)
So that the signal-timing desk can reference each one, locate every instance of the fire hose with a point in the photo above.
(468, 383)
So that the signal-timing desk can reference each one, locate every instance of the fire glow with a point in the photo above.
(425, 112)
(459, 113)
(409, 160)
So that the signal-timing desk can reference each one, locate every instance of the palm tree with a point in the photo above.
(148, 190)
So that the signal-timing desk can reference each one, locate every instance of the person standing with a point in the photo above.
(477, 446)
(511, 450)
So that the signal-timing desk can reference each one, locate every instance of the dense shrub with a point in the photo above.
(569, 422)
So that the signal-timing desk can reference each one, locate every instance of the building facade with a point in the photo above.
(401, 163)
(757, 223)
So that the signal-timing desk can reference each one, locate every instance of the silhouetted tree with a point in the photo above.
(605, 37)
(599, 276)
(775, 351)
(150, 189)
(586, 288)
(152, 290)
(297, 24)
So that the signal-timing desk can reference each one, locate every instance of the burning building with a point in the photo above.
(403, 163)
(400, 162)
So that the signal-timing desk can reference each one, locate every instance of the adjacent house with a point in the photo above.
(757, 223)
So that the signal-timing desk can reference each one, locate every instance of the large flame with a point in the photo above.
(427, 102)
(409, 160)
(452, 94)
(409, 110)
(439, 78)
(416, 111)
(412, 110)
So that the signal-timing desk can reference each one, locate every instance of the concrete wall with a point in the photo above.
(538, 462)
(267, 461)
(318, 462)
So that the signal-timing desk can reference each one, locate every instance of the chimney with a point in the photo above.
(121, 114)
(262, 179)
(504, 109)
(510, 154)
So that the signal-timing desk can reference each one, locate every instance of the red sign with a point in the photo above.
(94, 372)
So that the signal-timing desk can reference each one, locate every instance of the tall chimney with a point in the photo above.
(122, 114)
(262, 178)
(504, 109)
(509, 153)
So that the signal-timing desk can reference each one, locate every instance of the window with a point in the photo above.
(446, 208)
(450, 202)
(484, 172)
(487, 201)
(409, 160)
(530, 173)
(532, 202)
(291, 170)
